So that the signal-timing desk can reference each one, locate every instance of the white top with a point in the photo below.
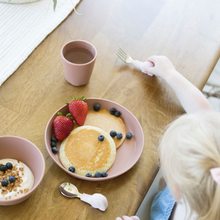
(182, 212)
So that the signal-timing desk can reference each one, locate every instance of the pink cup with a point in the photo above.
(78, 58)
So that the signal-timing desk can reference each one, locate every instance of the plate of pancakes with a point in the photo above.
(119, 155)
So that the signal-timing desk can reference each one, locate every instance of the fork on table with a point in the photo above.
(127, 59)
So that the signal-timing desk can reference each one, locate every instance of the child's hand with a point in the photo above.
(127, 218)
(162, 66)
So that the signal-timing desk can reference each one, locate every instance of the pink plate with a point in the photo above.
(127, 154)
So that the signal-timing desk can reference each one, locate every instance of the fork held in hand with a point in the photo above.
(127, 59)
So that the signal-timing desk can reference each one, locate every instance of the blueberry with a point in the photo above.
(96, 107)
(119, 135)
(9, 165)
(4, 183)
(55, 150)
(88, 175)
(12, 179)
(98, 174)
(53, 139)
(3, 168)
(129, 135)
(117, 114)
(101, 137)
(53, 144)
(113, 133)
(112, 111)
(72, 169)
(104, 174)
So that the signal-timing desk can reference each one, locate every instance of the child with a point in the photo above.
(189, 154)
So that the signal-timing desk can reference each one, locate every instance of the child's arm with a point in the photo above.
(189, 96)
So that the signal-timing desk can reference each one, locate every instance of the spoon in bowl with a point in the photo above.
(96, 200)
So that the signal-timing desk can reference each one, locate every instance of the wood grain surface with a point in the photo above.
(186, 31)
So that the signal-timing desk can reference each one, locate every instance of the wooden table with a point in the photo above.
(186, 31)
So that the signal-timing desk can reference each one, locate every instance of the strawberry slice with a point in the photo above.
(62, 126)
(78, 108)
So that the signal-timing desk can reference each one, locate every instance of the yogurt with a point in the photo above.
(24, 180)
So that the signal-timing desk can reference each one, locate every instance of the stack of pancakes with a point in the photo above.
(84, 151)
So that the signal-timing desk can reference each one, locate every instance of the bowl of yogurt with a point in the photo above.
(22, 168)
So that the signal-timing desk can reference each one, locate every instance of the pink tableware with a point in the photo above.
(78, 58)
(126, 155)
(12, 147)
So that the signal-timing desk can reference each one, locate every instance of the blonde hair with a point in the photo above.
(189, 148)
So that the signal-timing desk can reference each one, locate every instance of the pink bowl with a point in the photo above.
(126, 155)
(25, 151)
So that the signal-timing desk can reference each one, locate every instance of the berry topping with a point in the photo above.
(53, 144)
(112, 111)
(104, 174)
(3, 168)
(62, 126)
(9, 166)
(12, 179)
(53, 139)
(101, 137)
(55, 150)
(117, 114)
(78, 108)
(129, 135)
(98, 174)
(72, 169)
(113, 133)
(4, 183)
(96, 107)
(119, 135)
(88, 175)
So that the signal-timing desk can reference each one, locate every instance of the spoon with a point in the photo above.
(96, 200)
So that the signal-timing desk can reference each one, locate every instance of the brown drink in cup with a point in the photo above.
(78, 58)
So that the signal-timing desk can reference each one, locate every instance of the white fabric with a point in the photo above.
(24, 26)
(18, 1)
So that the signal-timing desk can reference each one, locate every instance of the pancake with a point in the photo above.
(107, 122)
(85, 152)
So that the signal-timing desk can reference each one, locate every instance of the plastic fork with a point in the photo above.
(127, 59)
